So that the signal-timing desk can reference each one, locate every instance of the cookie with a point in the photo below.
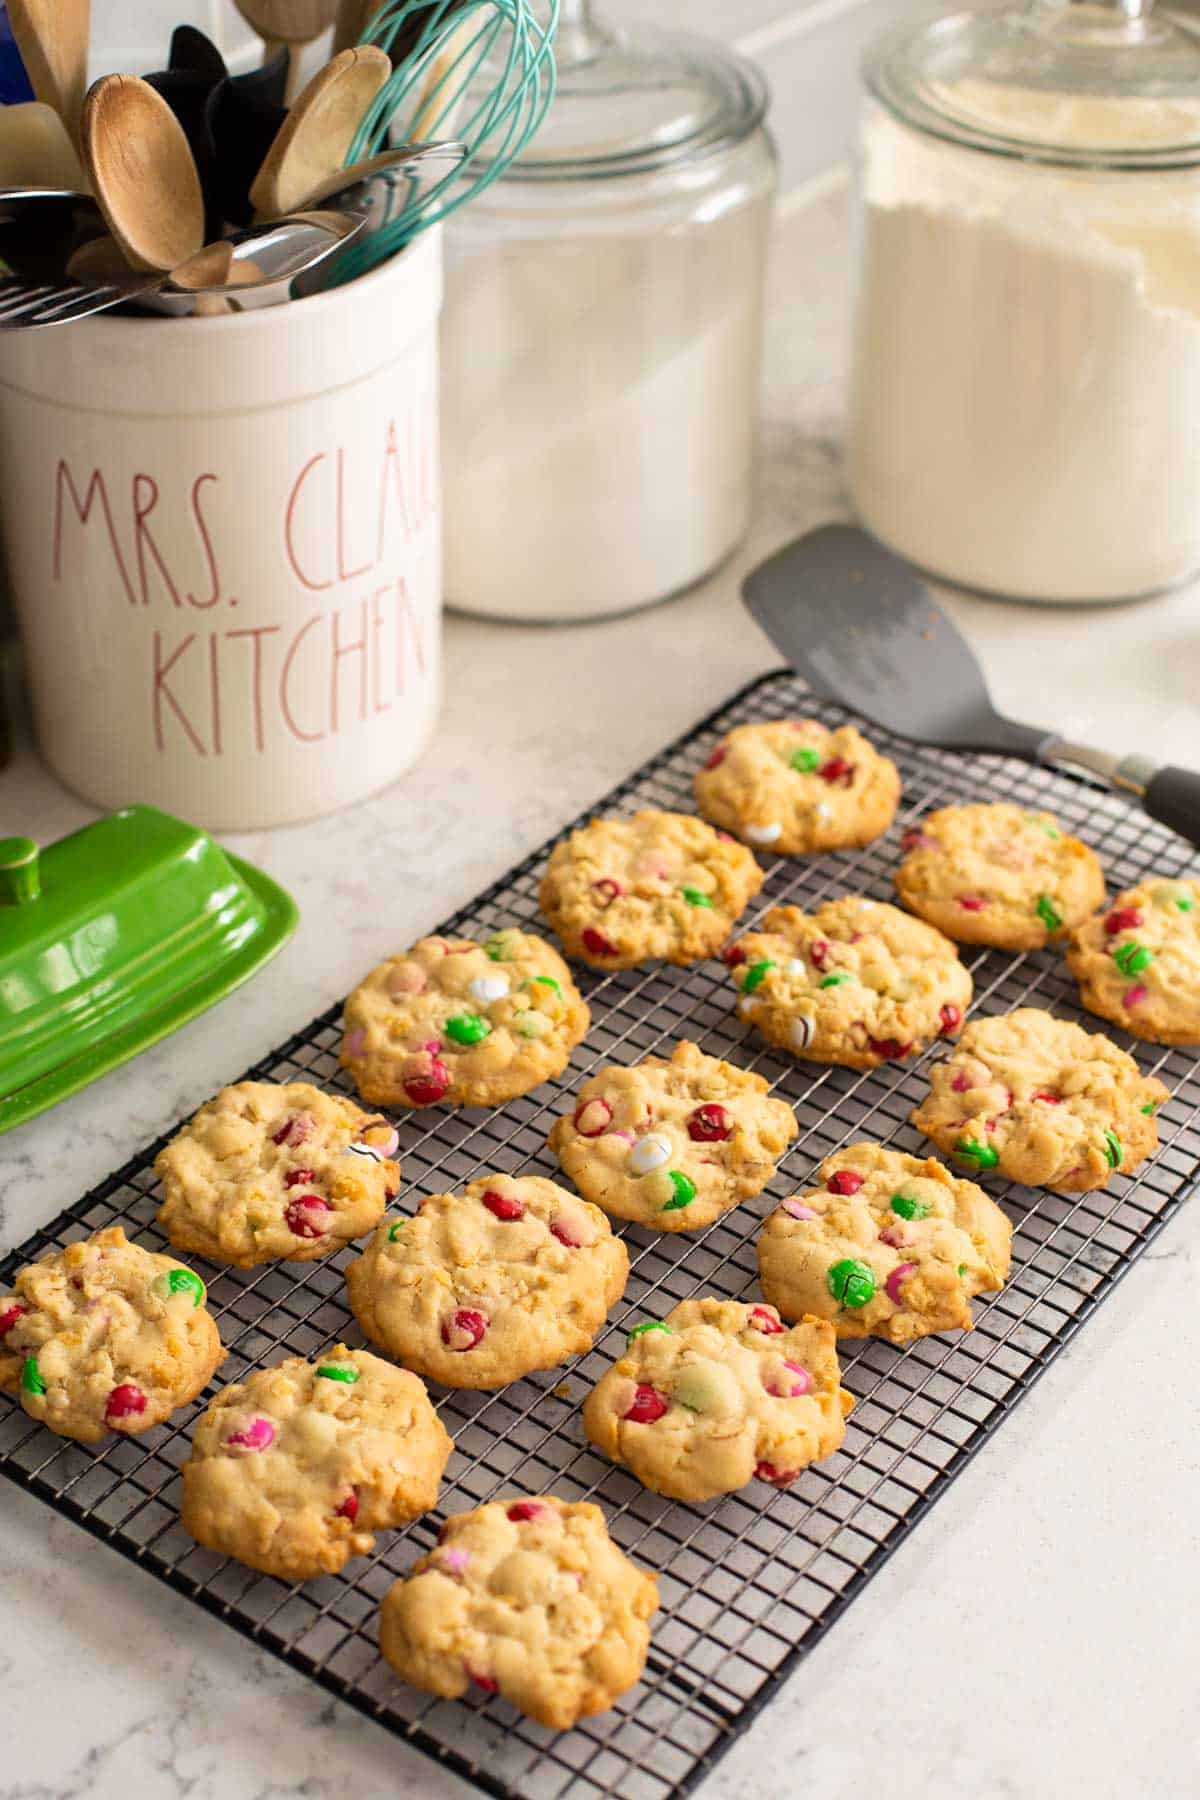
(1138, 962)
(105, 1336)
(889, 1246)
(998, 874)
(858, 983)
(529, 1599)
(483, 1287)
(268, 1172)
(718, 1392)
(795, 787)
(620, 892)
(463, 1024)
(673, 1144)
(1041, 1101)
(293, 1469)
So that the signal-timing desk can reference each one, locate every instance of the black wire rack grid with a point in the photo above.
(748, 1584)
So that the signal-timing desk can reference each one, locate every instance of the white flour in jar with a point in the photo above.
(1025, 405)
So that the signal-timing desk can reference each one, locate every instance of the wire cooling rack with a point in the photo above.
(748, 1584)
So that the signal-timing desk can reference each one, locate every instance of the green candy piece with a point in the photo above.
(837, 979)
(547, 981)
(851, 1282)
(1051, 831)
(685, 1191)
(496, 947)
(1131, 959)
(805, 761)
(962, 1268)
(531, 1024)
(1184, 903)
(336, 1372)
(1048, 913)
(756, 974)
(467, 1028)
(178, 1281)
(971, 1151)
(397, 1228)
(694, 897)
(1151, 1107)
(651, 1325)
(31, 1376)
(1113, 1150)
(908, 1208)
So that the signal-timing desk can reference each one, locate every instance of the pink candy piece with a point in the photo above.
(596, 944)
(9, 1316)
(295, 1177)
(766, 1319)
(845, 1181)
(308, 1216)
(464, 1329)
(647, 1405)
(521, 1510)
(916, 839)
(895, 1236)
(960, 1084)
(789, 1382)
(1122, 918)
(972, 902)
(453, 1559)
(626, 1137)
(893, 1282)
(608, 889)
(593, 1118)
(349, 1507)
(502, 1206)
(126, 1401)
(950, 1018)
(1135, 995)
(408, 978)
(357, 1041)
(561, 1229)
(258, 1435)
(295, 1130)
(798, 1210)
(717, 756)
(779, 1478)
(818, 953)
(710, 1124)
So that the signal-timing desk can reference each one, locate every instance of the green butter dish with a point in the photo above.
(114, 937)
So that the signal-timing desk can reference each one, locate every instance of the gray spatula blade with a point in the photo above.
(862, 628)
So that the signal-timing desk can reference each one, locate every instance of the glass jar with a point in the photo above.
(1025, 395)
(602, 334)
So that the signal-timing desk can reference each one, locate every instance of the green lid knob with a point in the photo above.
(20, 877)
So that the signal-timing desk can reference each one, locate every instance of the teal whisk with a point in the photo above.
(490, 59)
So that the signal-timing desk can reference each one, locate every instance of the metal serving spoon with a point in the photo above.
(862, 627)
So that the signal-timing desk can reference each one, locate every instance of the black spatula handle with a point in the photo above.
(1173, 798)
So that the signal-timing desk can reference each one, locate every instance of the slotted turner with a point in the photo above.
(862, 627)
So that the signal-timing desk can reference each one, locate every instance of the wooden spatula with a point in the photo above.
(290, 22)
(35, 150)
(318, 132)
(52, 36)
(142, 172)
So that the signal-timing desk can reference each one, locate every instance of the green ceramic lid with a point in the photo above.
(112, 938)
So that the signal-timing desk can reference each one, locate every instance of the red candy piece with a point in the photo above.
(562, 1231)
(1050, 1099)
(9, 1317)
(294, 1130)
(818, 953)
(593, 1118)
(466, 1324)
(520, 1510)
(972, 902)
(951, 1019)
(718, 757)
(349, 1507)
(891, 1049)
(611, 890)
(734, 957)
(766, 1320)
(482, 1681)
(779, 1478)
(960, 1084)
(845, 1181)
(125, 1402)
(916, 839)
(710, 1124)
(837, 769)
(425, 1089)
(1122, 918)
(295, 1176)
(648, 1405)
(596, 944)
(502, 1207)
(305, 1216)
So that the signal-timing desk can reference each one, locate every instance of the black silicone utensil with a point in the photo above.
(194, 53)
(862, 627)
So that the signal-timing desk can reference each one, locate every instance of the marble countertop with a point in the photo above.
(1036, 1634)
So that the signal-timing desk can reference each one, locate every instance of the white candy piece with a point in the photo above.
(799, 968)
(800, 1032)
(486, 988)
(764, 834)
(649, 1153)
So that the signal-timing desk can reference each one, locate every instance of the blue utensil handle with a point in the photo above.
(1173, 798)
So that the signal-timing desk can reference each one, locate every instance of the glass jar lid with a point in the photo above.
(1098, 84)
(630, 101)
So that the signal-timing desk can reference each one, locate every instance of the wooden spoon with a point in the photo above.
(35, 150)
(52, 36)
(353, 17)
(290, 22)
(317, 134)
(143, 173)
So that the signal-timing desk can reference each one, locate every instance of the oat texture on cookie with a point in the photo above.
(528, 1598)
(794, 786)
(717, 1393)
(996, 873)
(858, 982)
(888, 1245)
(479, 1288)
(104, 1336)
(269, 1171)
(660, 885)
(294, 1469)
(1138, 962)
(1041, 1101)
(456, 1023)
(673, 1143)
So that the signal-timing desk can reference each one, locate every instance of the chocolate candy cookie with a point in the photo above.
(105, 1336)
(795, 787)
(889, 1246)
(1041, 1101)
(1138, 962)
(463, 1024)
(717, 1393)
(265, 1171)
(529, 1599)
(998, 874)
(858, 983)
(483, 1287)
(293, 1469)
(673, 1144)
(624, 891)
